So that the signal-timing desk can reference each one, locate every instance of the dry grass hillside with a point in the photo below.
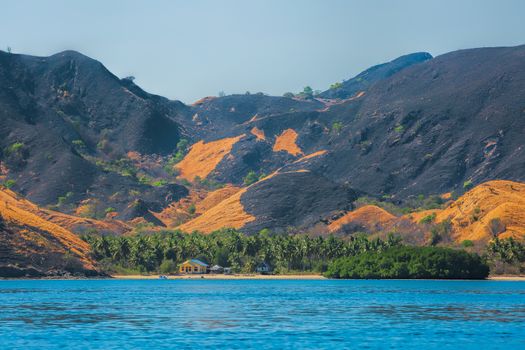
(196, 203)
(228, 213)
(203, 157)
(494, 208)
(287, 142)
(258, 133)
(370, 217)
(28, 240)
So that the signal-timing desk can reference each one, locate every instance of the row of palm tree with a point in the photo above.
(506, 250)
(227, 247)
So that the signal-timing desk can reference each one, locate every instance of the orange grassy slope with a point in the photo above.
(310, 156)
(178, 212)
(494, 208)
(203, 157)
(215, 197)
(228, 213)
(69, 222)
(476, 214)
(287, 142)
(259, 134)
(371, 217)
(19, 212)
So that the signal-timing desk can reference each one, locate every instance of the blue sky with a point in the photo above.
(188, 49)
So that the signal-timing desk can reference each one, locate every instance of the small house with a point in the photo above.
(263, 268)
(216, 269)
(193, 266)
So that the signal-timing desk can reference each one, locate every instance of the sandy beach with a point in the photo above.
(223, 277)
(267, 277)
(507, 278)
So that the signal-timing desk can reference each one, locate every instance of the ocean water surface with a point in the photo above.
(262, 314)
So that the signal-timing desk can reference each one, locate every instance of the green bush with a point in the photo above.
(250, 178)
(168, 266)
(15, 147)
(78, 143)
(467, 243)
(428, 219)
(9, 183)
(307, 93)
(109, 210)
(467, 185)
(412, 263)
(335, 86)
(337, 127)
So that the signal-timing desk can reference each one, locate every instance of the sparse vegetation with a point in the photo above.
(9, 183)
(440, 232)
(250, 178)
(110, 210)
(409, 205)
(122, 166)
(288, 95)
(336, 86)
(15, 148)
(206, 183)
(337, 127)
(428, 219)
(399, 128)
(62, 200)
(192, 209)
(159, 183)
(103, 145)
(79, 144)
(467, 243)
(307, 93)
(467, 185)
(182, 149)
(496, 226)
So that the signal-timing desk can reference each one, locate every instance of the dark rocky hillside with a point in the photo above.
(67, 121)
(364, 80)
(295, 199)
(432, 127)
(427, 129)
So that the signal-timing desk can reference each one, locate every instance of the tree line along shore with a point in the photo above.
(356, 256)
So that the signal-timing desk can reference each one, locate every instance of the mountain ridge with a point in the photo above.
(78, 139)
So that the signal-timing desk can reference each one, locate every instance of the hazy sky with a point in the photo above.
(188, 49)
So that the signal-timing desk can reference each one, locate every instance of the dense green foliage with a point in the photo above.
(157, 252)
(411, 262)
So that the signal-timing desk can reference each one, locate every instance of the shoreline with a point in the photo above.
(218, 277)
(222, 277)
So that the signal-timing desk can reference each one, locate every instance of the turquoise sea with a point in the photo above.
(201, 314)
